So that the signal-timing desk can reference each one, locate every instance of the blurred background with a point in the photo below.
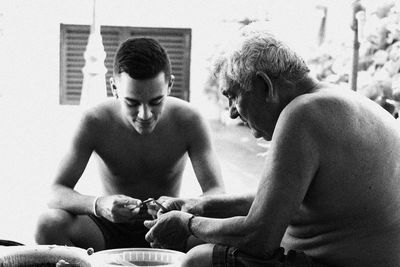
(56, 58)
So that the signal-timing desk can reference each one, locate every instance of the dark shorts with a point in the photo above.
(123, 235)
(230, 256)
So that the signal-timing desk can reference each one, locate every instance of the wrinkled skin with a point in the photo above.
(189, 205)
(118, 208)
(170, 230)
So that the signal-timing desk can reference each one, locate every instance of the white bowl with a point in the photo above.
(137, 256)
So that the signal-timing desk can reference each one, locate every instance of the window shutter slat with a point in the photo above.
(73, 43)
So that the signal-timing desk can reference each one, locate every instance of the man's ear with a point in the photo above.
(170, 83)
(272, 95)
(113, 87)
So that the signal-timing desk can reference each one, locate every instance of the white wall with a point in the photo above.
(30, 35)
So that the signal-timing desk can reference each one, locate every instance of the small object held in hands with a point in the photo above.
(145, 202)
(157, 203)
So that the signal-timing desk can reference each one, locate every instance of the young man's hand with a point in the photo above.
(118, 208)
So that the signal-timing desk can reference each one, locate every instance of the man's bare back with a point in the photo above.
(355, 190)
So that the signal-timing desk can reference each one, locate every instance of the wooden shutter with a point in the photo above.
(177, 43)
(73, 43)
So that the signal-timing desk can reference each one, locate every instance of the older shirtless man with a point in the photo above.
(142, 138)
(330, 192)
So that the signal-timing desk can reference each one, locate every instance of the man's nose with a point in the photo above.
(233, 112)
(144, 112)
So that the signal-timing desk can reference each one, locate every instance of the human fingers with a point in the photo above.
(123, 201)
(154, 206)
(133, 205)
(156, 245)
(149, 223)
(125, 206)
(150, 234)
(166, 204)
(130, 201)
(165, 199)
(119, 209)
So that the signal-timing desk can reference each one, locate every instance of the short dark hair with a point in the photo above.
(141, 59)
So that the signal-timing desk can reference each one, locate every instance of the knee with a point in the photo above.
(199, 256)
(50, 225)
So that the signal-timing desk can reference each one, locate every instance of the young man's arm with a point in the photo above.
(115, 208)
(204, 160)
(70, 170)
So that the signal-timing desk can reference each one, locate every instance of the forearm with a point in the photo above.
(65, 198)
(224, 206)
(236, 232)
(230, 231)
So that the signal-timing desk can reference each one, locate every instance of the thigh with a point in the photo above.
(230, 256)
(85, 233)
(225, 256)
(199, 256)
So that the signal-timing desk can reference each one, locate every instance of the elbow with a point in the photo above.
(256, 246)
(215, 190)
(258, 242)
(248, 240)
(53, 196)
(218, 190)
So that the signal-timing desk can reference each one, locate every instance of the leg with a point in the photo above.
(60, 227)
(192, 242)
(199, 256)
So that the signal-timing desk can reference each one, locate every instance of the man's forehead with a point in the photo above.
(123, 76)
(228, 85)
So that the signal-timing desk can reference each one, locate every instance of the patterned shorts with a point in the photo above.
(224, 256)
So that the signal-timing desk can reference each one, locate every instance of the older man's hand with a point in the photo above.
(170, 230)
(190, 205)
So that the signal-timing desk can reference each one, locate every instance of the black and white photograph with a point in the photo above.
(195, 133)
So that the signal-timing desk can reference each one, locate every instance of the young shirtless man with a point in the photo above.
(143, 138)
(330, 190)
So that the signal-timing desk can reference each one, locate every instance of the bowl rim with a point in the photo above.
(116, 250)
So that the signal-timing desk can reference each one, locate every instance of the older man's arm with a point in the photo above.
(290, 167)
(292, 163)
(214, 206)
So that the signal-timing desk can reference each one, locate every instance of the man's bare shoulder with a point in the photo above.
(181, 111)
(102, 111)
(319, 110)
(327, 100)
(336, 111)
(101, 115)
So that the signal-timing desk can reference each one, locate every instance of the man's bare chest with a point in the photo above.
(125, 155)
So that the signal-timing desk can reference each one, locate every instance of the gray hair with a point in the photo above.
(258, 50)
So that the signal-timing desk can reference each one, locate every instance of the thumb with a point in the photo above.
(149, 223)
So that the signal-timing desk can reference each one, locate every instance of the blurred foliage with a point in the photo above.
(331, 61)
(379, 56)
